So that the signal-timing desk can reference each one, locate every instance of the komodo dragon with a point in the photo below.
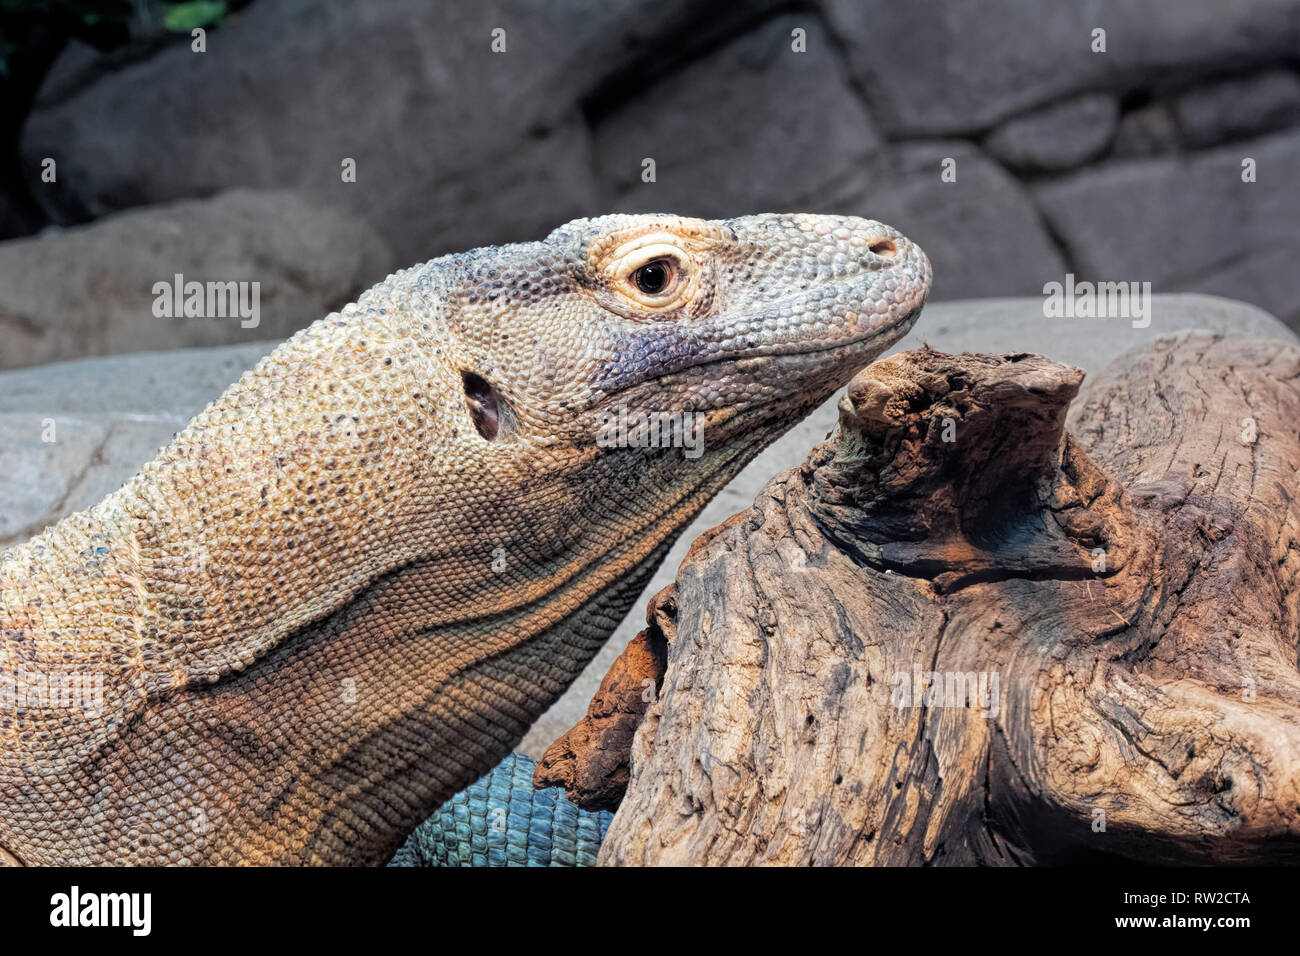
(348, 586)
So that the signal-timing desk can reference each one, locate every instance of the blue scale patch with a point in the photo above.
(500, 820)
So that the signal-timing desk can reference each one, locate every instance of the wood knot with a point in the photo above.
(948, 466)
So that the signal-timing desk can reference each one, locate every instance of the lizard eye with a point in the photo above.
(656, 277)
(655, 274)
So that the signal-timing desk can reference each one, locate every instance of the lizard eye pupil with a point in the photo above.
(652, 278)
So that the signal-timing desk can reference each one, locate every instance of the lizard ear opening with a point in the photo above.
(481, 400)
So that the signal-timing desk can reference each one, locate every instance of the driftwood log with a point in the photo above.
(961, 633)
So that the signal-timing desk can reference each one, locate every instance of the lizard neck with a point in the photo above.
(339, 739)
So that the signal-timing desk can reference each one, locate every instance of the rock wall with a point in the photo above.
(1122, 163)
(90, 290)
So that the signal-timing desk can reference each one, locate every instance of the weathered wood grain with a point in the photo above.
(959, 634)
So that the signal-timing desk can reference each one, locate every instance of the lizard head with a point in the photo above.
(448, 494)
(743, 326)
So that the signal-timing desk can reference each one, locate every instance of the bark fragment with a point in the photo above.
(591, 760)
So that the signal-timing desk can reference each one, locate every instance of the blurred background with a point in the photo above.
(485, 122)
(313, 147)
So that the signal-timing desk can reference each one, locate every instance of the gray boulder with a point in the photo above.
(1188, 222)
(89, 290)
(754, 127)
(1244, 107)
(1211, 114)
(986, 60)
(1056, 137)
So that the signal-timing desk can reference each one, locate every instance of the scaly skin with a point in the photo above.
(502, 820)
(331, 602)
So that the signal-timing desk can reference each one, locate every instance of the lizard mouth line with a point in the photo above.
(896, 330)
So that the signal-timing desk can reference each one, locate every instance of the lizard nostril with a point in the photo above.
(883, 247)
(481, 399)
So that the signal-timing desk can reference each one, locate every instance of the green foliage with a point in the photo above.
(186, 16)
(104, 24)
